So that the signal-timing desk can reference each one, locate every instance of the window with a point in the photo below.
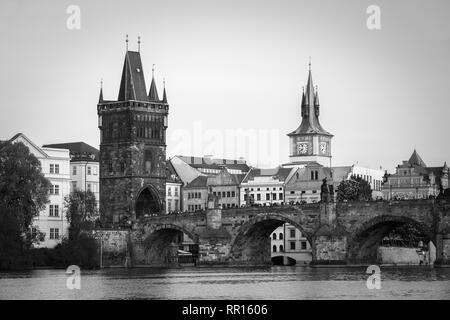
(292, 245)
(54, 189)
(317, 175)
(94, 169)
(303, 244)
(74, 170)
(110, 167)
(169, 191)
(274, 248)
(89, 187)
(280, 196)
(292, 192)
(312, 175)
(89, 171)
(267, 196)
(258, 197)
(148, 161)
(176, 207)
(74, 185)
(233, 194)
(176, 191)
(223, 194)
(54, 168)
(314, 191)
(53, 210)
(274, 236)
(274, 196)
(169, 206)
(281, 248)
(228, 194)
(292, 233)
(280, 236)
(54, 233)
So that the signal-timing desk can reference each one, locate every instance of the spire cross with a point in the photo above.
(164, 83)
(139, 43)
(309, 63)
(153, 70)
(101, 83)
(126, 40)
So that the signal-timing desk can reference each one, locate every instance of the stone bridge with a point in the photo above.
(338, 232)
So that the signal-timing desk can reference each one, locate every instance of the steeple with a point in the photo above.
(132, 85)
(164, 100)
(310, 110)
(100, 97)
(153, 93)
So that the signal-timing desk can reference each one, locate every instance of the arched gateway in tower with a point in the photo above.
(132, 147)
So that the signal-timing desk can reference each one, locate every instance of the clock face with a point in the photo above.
(323, 147)
(302, 148)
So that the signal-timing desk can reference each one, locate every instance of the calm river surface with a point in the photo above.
(277, 282)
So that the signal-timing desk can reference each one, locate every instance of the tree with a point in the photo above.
(23, 187)
(81, 212)
(80, 247)
(354, 189)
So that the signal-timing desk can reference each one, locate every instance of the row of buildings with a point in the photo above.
(132, 177)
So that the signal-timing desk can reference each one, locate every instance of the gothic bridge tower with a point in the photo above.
(310, 142)
(132, 147)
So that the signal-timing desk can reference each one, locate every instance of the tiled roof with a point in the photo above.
(416, 160)
(279, 173)
(199, 182)
(78, 150)
(341, 173)
(132, 85)
(209, 163)
(171, 173)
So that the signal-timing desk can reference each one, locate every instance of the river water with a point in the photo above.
(276, 282)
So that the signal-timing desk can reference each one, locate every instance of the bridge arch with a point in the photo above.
(252, 243)
(162, 241)
(364, 240)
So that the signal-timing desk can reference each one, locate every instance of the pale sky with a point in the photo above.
(232, 65)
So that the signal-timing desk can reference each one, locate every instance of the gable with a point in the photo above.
(34, 149)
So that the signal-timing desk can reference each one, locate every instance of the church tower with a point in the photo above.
(132, 147)
(310, 142)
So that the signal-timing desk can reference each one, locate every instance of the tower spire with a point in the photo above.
(153, 93)
(100, 97)
(164, 100)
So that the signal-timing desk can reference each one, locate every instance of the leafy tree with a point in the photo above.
(23, 187)
(81, 212)
(354, 189)
(23, 193)
(80, 247)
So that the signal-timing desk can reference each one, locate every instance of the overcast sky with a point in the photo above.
(237, 65)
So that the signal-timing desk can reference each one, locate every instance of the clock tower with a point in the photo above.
(310, 142)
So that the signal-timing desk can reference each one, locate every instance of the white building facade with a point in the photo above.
(55, 164)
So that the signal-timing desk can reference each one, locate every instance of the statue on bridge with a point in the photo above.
(213, 200)
(326, 192)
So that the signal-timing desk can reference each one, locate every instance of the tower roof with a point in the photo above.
(416, 160)
(132, 85)
(310, 119)
(153, 92)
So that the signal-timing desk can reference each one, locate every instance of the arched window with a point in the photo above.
(274, 236)
(312, 175)
(281, 248)
(280, 236)
(317, 175)
(148, 161)
(274, 248)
